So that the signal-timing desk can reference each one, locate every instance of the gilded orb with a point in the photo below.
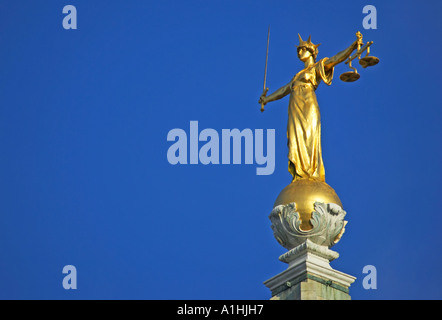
(305, 193)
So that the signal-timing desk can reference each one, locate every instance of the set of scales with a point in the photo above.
(366, 61)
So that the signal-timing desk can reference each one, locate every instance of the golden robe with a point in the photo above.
(304, 123)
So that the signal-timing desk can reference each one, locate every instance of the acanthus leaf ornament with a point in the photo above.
(327, 221)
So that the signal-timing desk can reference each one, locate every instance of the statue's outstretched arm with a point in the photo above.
(343, 55)
(278, 94)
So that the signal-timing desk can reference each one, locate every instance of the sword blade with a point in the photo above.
(264, 92)
(267, 58)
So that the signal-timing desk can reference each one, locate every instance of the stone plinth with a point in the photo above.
(309, 275)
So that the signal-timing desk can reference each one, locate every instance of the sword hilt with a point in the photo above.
(263, 95)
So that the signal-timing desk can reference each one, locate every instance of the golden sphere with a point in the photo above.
(305, 193)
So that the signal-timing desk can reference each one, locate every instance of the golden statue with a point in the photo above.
(304, 122)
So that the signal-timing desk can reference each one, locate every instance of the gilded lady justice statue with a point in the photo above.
(300, 206)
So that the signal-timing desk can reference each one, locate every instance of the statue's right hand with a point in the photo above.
(262, 100)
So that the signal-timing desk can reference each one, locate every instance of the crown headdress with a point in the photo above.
(313, 48)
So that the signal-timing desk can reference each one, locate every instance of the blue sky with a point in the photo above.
(84, 117)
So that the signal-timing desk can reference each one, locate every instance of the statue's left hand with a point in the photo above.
(359, 42)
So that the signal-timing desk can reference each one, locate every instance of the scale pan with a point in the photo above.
(349, 76)
(368, 61)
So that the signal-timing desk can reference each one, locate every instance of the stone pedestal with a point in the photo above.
(309, 275)
(308, 219)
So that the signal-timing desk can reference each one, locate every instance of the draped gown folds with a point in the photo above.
(304, 122)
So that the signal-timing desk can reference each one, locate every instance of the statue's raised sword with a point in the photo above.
(265, 70)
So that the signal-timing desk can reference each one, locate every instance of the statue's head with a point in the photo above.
(307, 49)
